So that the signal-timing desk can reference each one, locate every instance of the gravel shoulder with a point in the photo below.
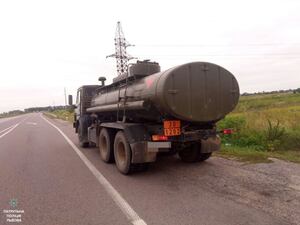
(271, 187)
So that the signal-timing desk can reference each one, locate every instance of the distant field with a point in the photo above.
(266, 126)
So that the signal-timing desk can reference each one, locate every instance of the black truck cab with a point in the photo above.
(81, 116)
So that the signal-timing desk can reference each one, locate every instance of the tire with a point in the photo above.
(84, 123)
(106, 145)
(193, 154)
(122, 153)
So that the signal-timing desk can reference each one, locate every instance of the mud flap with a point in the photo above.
(211, 144)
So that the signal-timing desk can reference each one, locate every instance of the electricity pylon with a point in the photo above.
(121, 55)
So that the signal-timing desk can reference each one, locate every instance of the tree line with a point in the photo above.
(32, 109)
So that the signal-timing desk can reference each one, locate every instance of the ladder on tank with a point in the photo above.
(122, 99)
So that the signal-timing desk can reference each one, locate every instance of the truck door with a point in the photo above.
(78, 103)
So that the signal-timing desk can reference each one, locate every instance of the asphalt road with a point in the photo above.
(43, 177)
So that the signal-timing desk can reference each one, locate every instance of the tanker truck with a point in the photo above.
(147, 112)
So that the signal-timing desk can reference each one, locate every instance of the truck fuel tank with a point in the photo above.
(196, 92)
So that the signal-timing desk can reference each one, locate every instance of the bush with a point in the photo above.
(250, 138)
(274, 135)
(268, 138)
(291, 140)
(234, 122)
(242, 135)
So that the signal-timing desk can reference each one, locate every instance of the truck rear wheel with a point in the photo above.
(122, 153)
(193, 154)
(106, 146)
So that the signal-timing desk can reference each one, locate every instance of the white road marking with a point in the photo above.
(6, 119)
(132, 216)
(31, 123)
(6, 129)
(9, 118)
(10, 130)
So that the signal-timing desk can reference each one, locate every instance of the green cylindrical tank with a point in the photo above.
(196, 92)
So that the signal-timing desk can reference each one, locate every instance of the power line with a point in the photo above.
(228, 55)
(215, 45)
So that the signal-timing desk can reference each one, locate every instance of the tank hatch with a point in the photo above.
(139, 69)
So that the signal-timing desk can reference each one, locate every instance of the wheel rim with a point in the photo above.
(121, 153)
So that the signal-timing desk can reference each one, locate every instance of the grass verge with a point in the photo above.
(251, 155)
(266, 126)
(61, 114)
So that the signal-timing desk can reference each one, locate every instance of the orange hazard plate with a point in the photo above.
(172, 127)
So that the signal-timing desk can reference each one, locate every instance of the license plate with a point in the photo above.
(172, 128)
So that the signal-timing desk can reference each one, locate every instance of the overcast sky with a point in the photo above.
(48, 45)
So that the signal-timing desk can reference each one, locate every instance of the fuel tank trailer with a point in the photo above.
(147, 111)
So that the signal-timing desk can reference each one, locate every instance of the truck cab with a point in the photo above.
(81, 116)
(83, 98)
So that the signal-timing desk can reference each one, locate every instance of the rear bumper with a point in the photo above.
(146, 151)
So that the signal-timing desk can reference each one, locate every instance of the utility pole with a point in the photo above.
(65, 96)
(120, 54)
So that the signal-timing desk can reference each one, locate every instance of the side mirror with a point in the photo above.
(70, 100)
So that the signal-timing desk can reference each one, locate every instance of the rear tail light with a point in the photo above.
(227, 131)
(159, 138)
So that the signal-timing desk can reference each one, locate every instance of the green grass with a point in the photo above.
(251, 155)
(265, 101)
(265, 126)
(244, 154)
(62, 114)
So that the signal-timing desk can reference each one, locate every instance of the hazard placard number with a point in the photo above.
(172, 127)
